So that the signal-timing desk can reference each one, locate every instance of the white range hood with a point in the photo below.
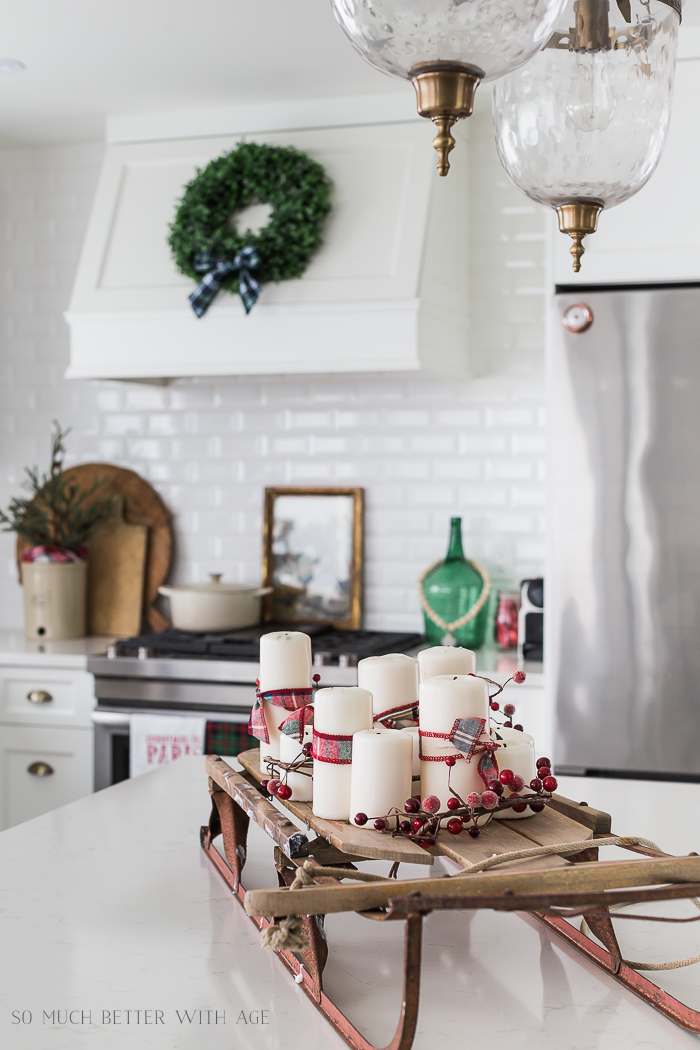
(386, 291)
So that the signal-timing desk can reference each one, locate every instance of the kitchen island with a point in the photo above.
(116, 932)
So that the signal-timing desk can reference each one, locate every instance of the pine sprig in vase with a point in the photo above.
(57, 513)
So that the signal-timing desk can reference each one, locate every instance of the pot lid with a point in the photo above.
(216, 586)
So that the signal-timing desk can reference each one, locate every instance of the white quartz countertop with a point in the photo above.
(109, 912)
(17, 649)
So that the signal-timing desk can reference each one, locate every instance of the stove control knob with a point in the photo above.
(347, 660)
(321, 659)
(577, 318)
(144, 652)
(111, 652)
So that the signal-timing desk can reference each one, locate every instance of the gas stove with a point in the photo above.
(341, 648)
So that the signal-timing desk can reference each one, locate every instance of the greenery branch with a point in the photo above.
(57, 512)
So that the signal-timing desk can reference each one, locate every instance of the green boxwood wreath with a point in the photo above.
(297, 188)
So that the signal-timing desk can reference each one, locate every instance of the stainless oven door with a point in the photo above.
(112, 737)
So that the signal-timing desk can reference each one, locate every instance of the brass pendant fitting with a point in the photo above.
(578, 219)
(445, 93)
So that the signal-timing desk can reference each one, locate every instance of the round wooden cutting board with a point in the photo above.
(141, 506)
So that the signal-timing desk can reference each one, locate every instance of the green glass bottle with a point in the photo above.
(451, 589)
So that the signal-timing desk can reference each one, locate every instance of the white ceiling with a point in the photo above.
(89, 59)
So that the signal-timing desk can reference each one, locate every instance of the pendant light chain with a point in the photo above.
(473, 612)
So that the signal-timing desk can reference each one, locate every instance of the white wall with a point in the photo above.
(423, 447)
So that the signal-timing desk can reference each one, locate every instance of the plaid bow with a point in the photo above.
(466, 737)
(289, 699)
(297, 722)
(216, 269)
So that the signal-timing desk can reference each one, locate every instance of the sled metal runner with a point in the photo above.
(550, 889)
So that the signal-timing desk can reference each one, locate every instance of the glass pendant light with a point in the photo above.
(581, 127)
(446, 47)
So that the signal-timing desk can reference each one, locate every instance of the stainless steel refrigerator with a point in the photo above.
(622, 644)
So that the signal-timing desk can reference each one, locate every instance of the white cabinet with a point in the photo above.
(655, 236)
(46, 730)
(42, 769)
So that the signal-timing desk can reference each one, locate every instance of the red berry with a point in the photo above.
(473, 799)
(505, 776)
(454, 826)
(452, 802)
(543, 771)
(489, 800)
(474, 832)
(425, 843)
(450, 760)
(380, 824)
(405, 826)
(284, 791)
(509, 709)
(508, 724)
(543, 762)
(411, 805)
(431, 804)
(495, 705)
(263, 784)
(416, 797)
(316, 677)
(519, 677)
(536, 784)
(519, 727)
(418, 823)
(361, 819)
(307, 748)
(517, 783)
(550, 784)
(520, 807)
(495, 785)
(537, 806)
(272, 786)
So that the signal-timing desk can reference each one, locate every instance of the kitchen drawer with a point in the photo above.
(60, 697)
(65, 756)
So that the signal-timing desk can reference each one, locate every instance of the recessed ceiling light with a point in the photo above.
(10, 65)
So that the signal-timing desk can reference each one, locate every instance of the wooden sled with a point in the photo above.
(551, 889)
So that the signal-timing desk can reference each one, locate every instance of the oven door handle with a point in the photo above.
(109, 718)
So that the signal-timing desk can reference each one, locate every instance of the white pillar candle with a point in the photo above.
(380, 772)
(290, 749)
(285, 663)
(518, 754)
(412, 731)
(446, 659)
(391, 679)
(338, 712)
(443, 700)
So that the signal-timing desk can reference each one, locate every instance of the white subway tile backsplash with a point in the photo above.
(424, 447)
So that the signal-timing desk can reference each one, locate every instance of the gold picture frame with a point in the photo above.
(312, 555)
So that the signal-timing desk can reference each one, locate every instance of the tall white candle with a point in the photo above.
(290, 749)
(391, 679)
(285, 663)
(518, 754)
(412, 731)
(446, 659)
(443, 700)
(339, 712)
(380, 772)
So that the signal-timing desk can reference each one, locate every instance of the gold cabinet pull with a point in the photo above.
(40, 769)
(39, 696)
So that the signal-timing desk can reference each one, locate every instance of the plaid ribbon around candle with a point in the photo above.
(391, 716)
(465, 735)
(215, 269)
(295, 724)
(328, 747)
(289, 699)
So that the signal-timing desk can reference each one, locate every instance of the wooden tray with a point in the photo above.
(497, 838)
